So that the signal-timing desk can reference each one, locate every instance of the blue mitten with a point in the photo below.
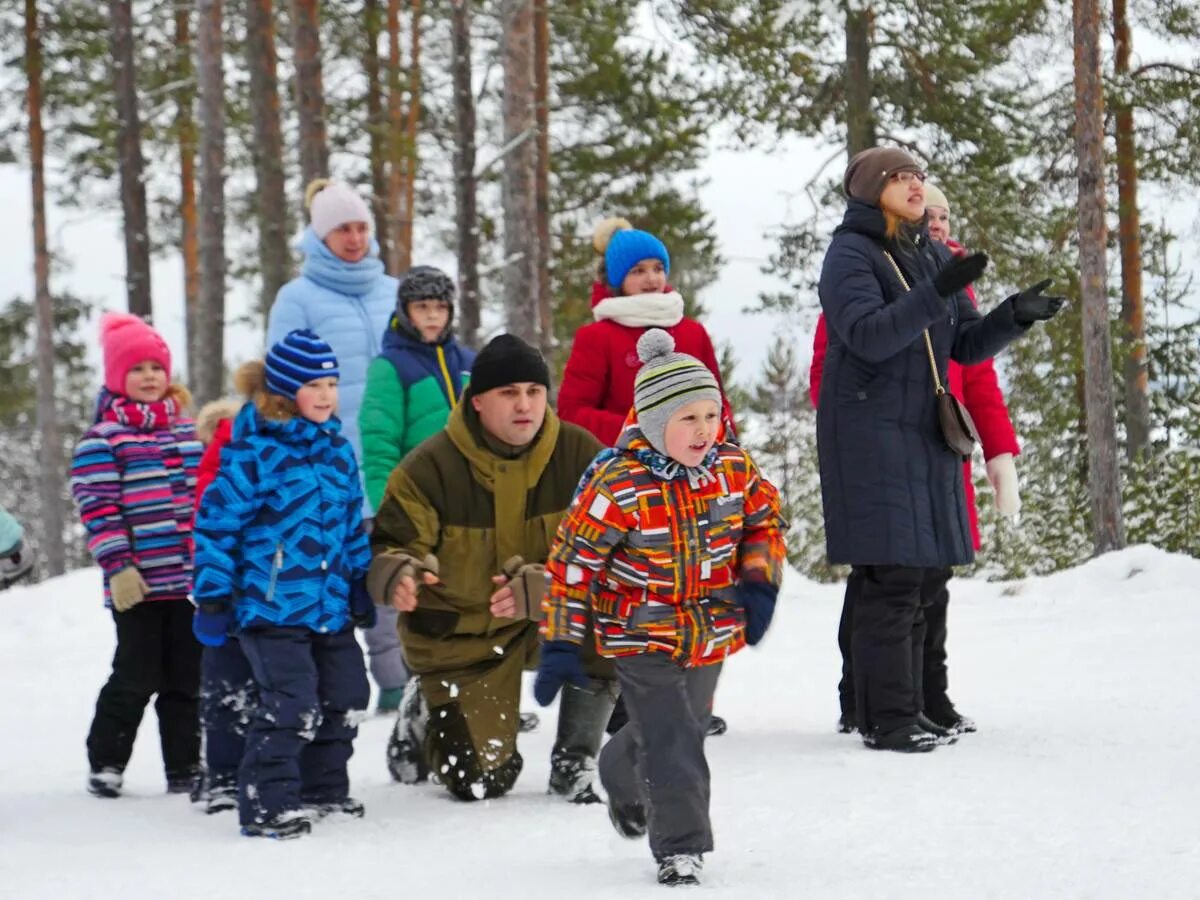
(758, 600)
(362, 607)
(560, 664)
(212, 622)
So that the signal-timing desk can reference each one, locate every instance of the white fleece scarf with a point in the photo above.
(641, 310)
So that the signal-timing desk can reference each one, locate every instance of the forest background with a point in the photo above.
(159, 166)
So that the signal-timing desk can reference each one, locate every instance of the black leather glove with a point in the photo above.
(959, 272)
(1031, 305)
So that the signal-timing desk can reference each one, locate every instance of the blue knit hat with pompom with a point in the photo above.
(627, 248)
(300, 357)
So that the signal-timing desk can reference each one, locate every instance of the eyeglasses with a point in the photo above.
(907, 177)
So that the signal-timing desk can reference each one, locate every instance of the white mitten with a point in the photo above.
(1002, 474)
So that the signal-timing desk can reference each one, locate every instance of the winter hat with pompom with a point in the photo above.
(331, 203)
(126, 341)
(300, 357)
(666, 382)
(626, 248)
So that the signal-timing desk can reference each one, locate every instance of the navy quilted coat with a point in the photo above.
(892, 489)
(280, 529)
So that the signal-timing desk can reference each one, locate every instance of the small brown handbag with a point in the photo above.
(958, 428)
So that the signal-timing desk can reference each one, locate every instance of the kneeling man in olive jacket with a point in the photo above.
(459, 545)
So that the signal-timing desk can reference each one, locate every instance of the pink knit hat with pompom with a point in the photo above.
(127, 341)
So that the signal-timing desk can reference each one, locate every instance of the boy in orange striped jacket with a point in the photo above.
(675, 545)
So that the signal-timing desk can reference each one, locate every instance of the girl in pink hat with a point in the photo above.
(133, 476)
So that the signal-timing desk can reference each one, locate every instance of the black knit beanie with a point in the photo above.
(507, 360)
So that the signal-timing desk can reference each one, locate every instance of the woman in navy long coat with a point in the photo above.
(891, 486)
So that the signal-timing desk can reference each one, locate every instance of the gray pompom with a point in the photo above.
(653, 344)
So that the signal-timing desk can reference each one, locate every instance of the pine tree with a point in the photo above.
(22, 443)
(783, 440)
(627, 129)
(51, 458)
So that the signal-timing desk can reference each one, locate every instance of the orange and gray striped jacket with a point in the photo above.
(657, 550)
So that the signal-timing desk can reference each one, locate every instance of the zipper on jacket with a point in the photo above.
(441, 355)
(276, 566)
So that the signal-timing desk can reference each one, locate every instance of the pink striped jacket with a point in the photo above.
(133, 477)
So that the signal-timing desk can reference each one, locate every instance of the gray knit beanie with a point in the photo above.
(666, 382)
(869, 171)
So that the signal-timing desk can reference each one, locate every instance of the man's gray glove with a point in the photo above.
(527, 581)
(394, 577)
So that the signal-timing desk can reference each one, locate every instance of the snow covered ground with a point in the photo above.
(1081, 782)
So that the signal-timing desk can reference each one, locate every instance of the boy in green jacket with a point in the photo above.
(416, 381)
(412, 387)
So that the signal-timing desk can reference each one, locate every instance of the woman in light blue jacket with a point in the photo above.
(344, 296)
(342, 293)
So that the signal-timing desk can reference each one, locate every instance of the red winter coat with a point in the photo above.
(597, 385)
(977, 387)
(210, 462)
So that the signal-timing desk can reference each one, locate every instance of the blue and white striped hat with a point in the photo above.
(299, 358)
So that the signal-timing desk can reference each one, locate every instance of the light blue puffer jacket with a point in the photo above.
(348, 305)
(11, 533)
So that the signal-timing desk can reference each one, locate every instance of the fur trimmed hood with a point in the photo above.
(211, 414)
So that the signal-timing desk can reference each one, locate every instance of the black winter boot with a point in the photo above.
(944, 735)
(406, 748)
(349, 807)
(105, 782)
(287, 825)
(680, 869)
(905, 739)
(571, 777)
(950, 718)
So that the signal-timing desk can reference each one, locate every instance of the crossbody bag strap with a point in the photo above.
(937, 379)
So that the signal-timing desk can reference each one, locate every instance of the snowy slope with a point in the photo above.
(1080, 783)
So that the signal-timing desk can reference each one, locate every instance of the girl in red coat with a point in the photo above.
(979, 390)
(630, 296)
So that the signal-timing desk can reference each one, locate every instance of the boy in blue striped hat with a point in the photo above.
(281, 557)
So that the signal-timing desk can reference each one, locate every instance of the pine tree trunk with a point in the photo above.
(274, 223)
(209, 382)
(860, 119)
(465, 198)
(411, 122)
(129, 159)
(51, 464)
(518, 181)
(310, 92)
(1133, 319)
(395, 136)
(185, 124)
(541, 74)
(1104, 484)
(377, 126)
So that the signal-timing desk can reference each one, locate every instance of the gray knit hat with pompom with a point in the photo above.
(666, 382)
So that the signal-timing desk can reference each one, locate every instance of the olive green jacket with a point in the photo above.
(456, 498)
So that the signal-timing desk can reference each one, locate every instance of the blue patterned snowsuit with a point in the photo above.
(280, 536)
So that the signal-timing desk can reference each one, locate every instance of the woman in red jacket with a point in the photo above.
(630, 296)
(979, 390)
